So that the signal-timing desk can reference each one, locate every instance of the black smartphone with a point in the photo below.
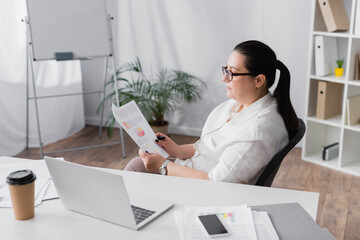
(213, 225)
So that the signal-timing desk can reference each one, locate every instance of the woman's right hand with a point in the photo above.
(168, 144)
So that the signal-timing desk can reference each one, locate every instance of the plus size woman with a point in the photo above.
(241, 135)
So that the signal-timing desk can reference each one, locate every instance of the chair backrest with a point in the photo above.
(267, 176)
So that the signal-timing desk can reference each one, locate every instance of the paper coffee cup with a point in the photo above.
(22, 192)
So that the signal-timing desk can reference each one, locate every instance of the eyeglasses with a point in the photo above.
(230, 74)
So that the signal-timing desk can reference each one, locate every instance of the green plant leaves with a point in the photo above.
(154, 97)
(340, 63)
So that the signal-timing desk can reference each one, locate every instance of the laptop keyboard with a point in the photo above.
(141, 213)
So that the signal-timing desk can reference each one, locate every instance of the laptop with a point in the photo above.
(100, 194)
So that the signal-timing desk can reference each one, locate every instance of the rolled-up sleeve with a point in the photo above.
(240, 162)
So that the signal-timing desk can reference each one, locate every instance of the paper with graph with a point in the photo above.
(240, 221)
(134, 123)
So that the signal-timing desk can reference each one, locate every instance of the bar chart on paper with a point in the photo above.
(227, 216)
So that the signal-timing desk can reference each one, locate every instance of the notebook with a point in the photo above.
(100, 194)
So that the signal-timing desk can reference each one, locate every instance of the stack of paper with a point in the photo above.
(240, 221)
(44, 188)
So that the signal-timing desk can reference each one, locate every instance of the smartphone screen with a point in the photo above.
(212, 225)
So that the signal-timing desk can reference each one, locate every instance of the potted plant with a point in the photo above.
(155, 96)
(339, 71)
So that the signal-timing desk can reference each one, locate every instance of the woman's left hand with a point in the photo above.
(152, 161)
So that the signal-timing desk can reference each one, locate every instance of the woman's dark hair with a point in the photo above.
(261, 59)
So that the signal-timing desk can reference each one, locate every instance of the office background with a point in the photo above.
(192, 35)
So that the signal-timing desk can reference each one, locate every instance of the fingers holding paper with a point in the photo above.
(152, 161)
(167, 144)
(174, 150)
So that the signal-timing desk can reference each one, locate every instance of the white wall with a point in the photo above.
(197, 36)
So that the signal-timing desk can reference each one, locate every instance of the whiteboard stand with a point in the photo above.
(30, 60)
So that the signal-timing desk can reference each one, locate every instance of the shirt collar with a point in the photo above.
(255, 107)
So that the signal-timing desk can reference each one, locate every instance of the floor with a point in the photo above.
(339, 203)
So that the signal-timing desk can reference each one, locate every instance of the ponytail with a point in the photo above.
(282, 95)
(261, 59)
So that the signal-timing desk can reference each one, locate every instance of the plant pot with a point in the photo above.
(163, 128)
(339, 72)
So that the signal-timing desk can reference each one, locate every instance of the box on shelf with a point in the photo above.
(334, 15)
(329, 99)
(353, 110)
(330, 151)
(357, 64)
(357, 19)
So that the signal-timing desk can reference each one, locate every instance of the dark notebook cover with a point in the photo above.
(292, 222)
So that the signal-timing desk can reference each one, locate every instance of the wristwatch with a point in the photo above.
(163, 169)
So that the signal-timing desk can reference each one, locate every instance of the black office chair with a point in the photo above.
(268, 175)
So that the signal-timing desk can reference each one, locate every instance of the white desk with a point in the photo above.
(52, 221)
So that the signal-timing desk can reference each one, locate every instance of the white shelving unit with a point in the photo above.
(324, 132)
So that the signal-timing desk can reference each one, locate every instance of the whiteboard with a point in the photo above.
(77, 26)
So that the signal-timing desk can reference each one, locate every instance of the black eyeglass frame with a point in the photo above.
(230, 74)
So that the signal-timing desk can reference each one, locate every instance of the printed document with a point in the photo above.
(263, 226)
(134, 123)
(238, 220)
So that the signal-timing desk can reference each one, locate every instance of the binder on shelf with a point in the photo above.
(329, 99)
(353, 110)
(347, 114)
(357, 19)
(325, 55)
(357, 65)
(334, 15)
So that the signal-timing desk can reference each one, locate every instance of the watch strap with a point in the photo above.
(164, 166)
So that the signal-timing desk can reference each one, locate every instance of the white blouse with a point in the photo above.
(238, 150)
